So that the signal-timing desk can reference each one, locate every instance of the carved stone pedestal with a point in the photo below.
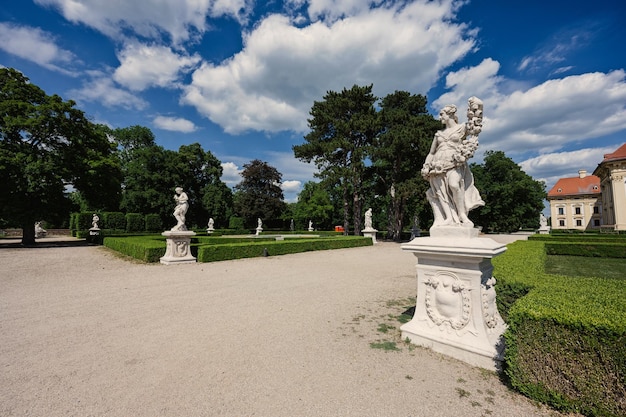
(456, 312)
(178, 250)
(370, 233)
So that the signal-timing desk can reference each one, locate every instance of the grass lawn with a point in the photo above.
(581, 266)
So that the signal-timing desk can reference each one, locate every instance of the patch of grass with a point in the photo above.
(384, 327)
(462, 393)
(475, 404)
(385, 345)
(461, 380)
(581, 266)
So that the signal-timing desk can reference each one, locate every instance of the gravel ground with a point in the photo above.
(86, 332)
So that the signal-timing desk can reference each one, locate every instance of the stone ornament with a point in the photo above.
(452, 193)
(182, 205)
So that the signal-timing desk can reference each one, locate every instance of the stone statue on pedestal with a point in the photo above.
(182, 204)
(452, 193)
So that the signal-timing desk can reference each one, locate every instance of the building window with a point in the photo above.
(579, 222)
(562, 223)
(577, 210)
(596, 223)
(596, 210)
(561, 212)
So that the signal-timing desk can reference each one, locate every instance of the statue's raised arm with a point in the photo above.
(452, 193)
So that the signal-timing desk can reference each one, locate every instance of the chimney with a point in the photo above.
(582, 173)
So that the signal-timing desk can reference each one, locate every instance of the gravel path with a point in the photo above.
(85, 332)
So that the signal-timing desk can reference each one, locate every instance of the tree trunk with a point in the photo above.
(28, 233)
(346, 218)
(356, 206)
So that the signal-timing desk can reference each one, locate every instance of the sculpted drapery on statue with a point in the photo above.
(452, 193)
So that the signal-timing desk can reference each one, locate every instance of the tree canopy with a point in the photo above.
(259, 194)
(513, 199)
(47, 146)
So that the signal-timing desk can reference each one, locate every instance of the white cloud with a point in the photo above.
(272, 83)
(102, 89)
(231, 174)
(291, 190)
(174, 124)
(144, 66)
(35, 45)
(180, 19)
(545, 117)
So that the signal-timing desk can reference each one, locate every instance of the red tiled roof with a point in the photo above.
(573, 186)
(620, 153)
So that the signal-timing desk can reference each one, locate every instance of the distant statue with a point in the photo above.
(94, 221)
(452, 193)
(368, 219)
(543, 222)
(259, 223)
(182, 205)
(39, 231)
(310, 225)
(211, 224)
(292, 226)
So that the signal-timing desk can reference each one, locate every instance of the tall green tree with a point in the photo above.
(259, 194)
(398, 155)
(513, 199)
(48, 146)
(314, 205)
(343, 127)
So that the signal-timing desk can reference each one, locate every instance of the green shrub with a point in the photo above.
(134, 222)
(114, 220)
(565, 344)
(222, 252)
(597, 250)
(153, 223)
(236, 223)
(145, 248)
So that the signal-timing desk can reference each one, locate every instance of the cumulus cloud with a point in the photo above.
(101, 89)
(35, 45)
(174, 124)
(143, 66)
(181, 20)
(272, 83)
(291, 189)
(231, 174)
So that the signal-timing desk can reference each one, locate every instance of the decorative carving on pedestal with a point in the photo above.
(178, 248)
(489, 306)
(447, 300)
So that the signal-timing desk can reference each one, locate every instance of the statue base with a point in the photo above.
(544, 230)
(370, 233)
(456, 312)
(178, 248)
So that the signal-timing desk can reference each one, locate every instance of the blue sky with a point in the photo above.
(240, 76)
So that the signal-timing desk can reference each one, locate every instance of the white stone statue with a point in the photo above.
(211, 224)
(543, 222)
(368, 219)
(182, 204)
(310, 225)
(259, 223)
(452, 193)
(94, 222)
(39, 231)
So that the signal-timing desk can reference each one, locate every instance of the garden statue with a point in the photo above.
(292, 226)
(94, 221)
(211, 227)
(368, 219)
(39, 231)
(543, 222)
(311, 225)
(182, 204)
(452, 193)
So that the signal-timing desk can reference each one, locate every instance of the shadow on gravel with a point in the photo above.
(14, 244)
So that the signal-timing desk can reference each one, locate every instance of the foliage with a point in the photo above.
(313, 205)
(578, 266)
(598, 250)
(114, 220)
(134, 222)
(258, 195)
(513, 200)
(407, 131)
(153, 223)
(343, 127)
(144, 248)
(236, 223)
(566, 338)
(47, 144)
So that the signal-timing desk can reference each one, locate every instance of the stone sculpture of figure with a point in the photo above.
(259, 223)
(310, 224)
(182, 204)
(452, 193)
(292, 226)
(368, 219)
(543, 222)
(39, 231)
(211, 223)
(94, 221)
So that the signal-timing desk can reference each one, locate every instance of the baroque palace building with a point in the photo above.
(592, 202)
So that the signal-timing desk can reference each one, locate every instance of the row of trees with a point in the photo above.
(53, 160)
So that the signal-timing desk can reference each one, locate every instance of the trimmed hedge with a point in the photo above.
(145, 248)
(153, 223)
(134, 222)
(114, 220)
(566, 341)
(213, 253)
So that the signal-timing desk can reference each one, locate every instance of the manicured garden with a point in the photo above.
(566, 341)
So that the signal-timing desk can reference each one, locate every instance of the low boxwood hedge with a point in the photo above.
(145, 248)
(566, 340)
